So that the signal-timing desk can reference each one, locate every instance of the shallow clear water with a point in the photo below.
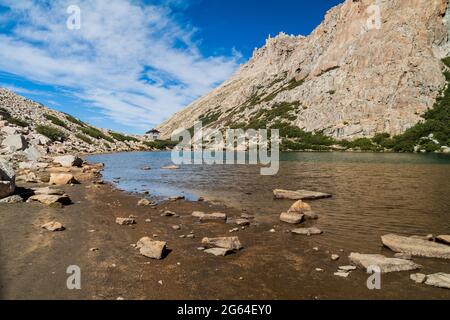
(373, 194)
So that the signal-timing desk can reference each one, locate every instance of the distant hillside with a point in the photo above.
(58, 133)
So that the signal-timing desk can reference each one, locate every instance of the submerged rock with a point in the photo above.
(307, 231)
(440, 280)
(385, 264)
(151, 248)
(292, 218)
(416, 247)
(172, 167)
(300, 195)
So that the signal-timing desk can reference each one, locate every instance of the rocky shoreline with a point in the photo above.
(162, 231)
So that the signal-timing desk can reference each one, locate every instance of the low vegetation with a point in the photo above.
(56, 121)
(121, 137)
(160, 144)
(75, 120)
(95, 133)
(10, 119)
(84, 138)
(51, 133)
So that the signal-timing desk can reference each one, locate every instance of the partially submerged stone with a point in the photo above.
(300, 207)
(342, 274)
(204, 217)
(416, 247)
(385, 264)
(151, 248)
(418, 277)
(53, 226)
(292, 218)
(229, 243)
(307, 231)
(242, 222)
(300, 194)
(347, 268)
(125, 221)
(440, 280)
(144, 203)
(50, 199)
(62, 179)
(171, 167)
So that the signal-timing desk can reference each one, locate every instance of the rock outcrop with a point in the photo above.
(416, 247)
(7, 179)
(348, 77)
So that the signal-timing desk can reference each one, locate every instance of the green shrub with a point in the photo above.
(121, 137)
(161, 144)
(84, 138)
(56, 121)
(75, 120)
(51, 133)
(95, 133)
(7, 116)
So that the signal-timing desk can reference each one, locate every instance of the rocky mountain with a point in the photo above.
(30, 130)
(346, 79)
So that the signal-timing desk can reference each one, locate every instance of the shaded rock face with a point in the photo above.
(15, 142)
(350, 80)
(7, 179)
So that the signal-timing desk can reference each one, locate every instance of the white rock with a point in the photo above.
(12, 199)
(125, 221)
(300, 194)
(218, 252)
(307, 231)
(7, 179)
(342, 274)
(16, 142)
(418, 277)
(292, 218)
(385, 264)
(440, 280)
(229, 243)
(33, 154)
(53, 226)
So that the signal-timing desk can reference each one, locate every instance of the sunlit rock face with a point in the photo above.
(348, 77)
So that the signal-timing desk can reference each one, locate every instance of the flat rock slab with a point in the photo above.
(418, 277)
(307, 231)
(416, 247)
(48, 191)
(291, 217)
(204, 217)
(300, 194)
(229, 243)
(218, 252)
(440, 280)
(385, 264)
(50, 199)
(151, 248)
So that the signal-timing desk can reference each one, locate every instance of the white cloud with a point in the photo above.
(131, 60)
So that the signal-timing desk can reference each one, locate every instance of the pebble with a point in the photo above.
(335, 257)
(342, 274)
(176, 227)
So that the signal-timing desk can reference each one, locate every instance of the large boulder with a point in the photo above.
(385, 264)
(416, 247)
(151, 248)
(7, 179)
(15, 142)
(68, 161)
(33, 154)
(62, 179)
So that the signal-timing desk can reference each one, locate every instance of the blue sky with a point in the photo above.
(134, 63)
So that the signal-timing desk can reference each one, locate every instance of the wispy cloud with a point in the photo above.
(131, 60)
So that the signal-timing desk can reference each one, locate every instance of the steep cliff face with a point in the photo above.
(345, 78)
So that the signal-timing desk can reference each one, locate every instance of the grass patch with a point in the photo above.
(84, 138)
(10, 119)
(95, 133)
(122, 137)
(52, 133)
(161, 144)
(55, 121)
(75, 120)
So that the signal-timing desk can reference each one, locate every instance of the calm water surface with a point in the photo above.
(373, 194)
